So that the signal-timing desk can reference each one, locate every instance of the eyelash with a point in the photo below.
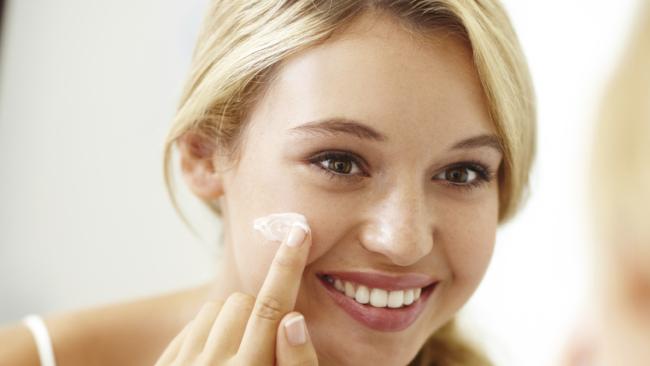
(340, 156)
(483, 174)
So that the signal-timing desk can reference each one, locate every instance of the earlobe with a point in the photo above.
(203, 180)
(197, 165)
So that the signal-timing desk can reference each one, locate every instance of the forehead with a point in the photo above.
(378, 72)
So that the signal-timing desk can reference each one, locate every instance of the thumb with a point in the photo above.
(293, 344)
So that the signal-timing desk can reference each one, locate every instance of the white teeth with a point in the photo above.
(378, 298)
(349, 289)
(363, 295)
(408, 296)
(339, 285)
(395, 299)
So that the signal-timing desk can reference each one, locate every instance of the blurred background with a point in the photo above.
(88, 89)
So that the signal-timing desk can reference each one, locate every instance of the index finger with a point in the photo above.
(277, 296)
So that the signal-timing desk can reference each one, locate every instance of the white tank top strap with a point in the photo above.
(43, 342)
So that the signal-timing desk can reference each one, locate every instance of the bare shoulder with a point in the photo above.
(18, 347)
(129, 333)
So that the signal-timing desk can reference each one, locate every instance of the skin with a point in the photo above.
(399, 209)
(396, 213)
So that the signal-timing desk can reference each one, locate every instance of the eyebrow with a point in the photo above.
(337, 126)
(479, 141)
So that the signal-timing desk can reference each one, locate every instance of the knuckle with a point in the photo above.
(268, 307)
(242, 300)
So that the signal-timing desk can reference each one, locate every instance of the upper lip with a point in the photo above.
(385, 281)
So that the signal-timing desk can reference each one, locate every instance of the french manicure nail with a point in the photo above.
(296, 236)
(295, 330)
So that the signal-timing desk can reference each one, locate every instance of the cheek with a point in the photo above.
(470, 259)
(472, 239)
(259, 192)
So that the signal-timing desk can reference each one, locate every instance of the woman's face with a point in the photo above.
(383, 140)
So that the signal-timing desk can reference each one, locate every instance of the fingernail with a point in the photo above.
(295, 330)
(296, 236)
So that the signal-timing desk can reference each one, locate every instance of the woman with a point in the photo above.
(403, 131)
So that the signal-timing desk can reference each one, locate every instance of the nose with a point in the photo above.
(401, 227)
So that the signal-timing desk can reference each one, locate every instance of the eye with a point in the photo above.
(460, 175)
(465, 175)
(340, 165)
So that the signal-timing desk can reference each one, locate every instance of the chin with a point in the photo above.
(353, 355)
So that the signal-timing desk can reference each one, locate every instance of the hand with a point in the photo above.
(245, 330)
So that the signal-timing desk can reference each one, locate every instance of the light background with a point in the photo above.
(87, 92)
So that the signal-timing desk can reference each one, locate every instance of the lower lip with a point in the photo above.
(381, 319)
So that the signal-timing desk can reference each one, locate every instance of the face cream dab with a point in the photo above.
(276, 226)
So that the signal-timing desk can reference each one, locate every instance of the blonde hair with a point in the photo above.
(243, 42)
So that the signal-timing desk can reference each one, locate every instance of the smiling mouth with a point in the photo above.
(388, 309)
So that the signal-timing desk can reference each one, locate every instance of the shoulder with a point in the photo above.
(18, 347)
(129, 333)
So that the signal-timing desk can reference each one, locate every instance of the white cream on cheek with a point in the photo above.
(275, 227)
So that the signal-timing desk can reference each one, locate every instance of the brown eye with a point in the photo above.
(460, 175)
(340, 166)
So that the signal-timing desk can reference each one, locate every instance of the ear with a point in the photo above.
(197, 165)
